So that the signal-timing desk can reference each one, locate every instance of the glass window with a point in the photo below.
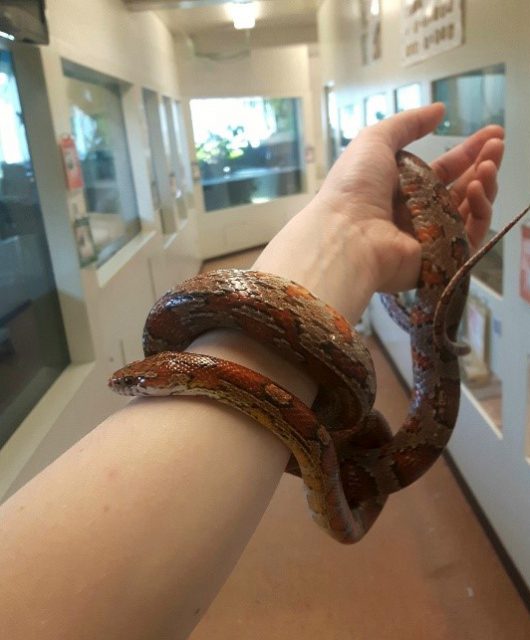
(351, 122)
(408, 97)
(98, 128)
(33, 348)
(376, 108)
(472, 100)
(248, 149)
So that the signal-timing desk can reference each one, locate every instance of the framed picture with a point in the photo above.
(430, 28)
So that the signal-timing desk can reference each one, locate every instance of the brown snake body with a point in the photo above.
(344, 451)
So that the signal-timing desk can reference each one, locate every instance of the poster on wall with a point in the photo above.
(429, 27)
(524, 278)
(370, 30)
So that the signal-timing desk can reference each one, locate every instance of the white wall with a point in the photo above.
(104, 309)
(495, 465)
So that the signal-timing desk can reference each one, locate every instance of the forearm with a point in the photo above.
(133, 531)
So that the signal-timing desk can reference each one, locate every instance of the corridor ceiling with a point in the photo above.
(209, 25)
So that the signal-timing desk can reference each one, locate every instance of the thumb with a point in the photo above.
(406, 127)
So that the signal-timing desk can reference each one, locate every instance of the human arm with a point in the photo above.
(131, 533)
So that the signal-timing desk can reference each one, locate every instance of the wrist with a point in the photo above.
(240, 348)
(328, 253)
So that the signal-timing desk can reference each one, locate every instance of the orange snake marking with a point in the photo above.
(343, 450)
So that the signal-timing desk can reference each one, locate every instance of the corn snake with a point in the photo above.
(343, 449)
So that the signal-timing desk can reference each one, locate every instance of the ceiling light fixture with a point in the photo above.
(243, 14)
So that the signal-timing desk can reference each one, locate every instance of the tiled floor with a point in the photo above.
(426, 571)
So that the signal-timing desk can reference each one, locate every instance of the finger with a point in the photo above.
(484, 169)
(486, 174)
(456, 161)
(403, 128)
(479, 220)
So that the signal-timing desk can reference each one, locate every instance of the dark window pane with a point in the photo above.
(32, 343)
(472, 100)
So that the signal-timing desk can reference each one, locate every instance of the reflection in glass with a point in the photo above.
(33, 349)
(248, 149)
(376, 108)
(408, 97)
(472, 100)
(351, 122)
(99, 131)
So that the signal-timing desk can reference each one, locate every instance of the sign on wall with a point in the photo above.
(429, 27)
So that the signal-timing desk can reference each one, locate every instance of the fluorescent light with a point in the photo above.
(7, 36)
(243, 14)
(375, 8)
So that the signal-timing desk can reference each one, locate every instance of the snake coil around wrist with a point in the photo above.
(344, 450)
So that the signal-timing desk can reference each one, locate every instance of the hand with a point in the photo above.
(362, 184)
(472, 168)
(347, 244)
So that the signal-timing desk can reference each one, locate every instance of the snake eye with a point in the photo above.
(128, 380)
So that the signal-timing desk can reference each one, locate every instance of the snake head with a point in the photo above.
(133, 379)
(162, 374)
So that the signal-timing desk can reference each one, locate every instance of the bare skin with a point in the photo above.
(132, 532)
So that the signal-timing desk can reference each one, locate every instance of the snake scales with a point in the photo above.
(342, 448)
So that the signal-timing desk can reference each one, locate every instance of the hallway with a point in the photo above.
(426, 570)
